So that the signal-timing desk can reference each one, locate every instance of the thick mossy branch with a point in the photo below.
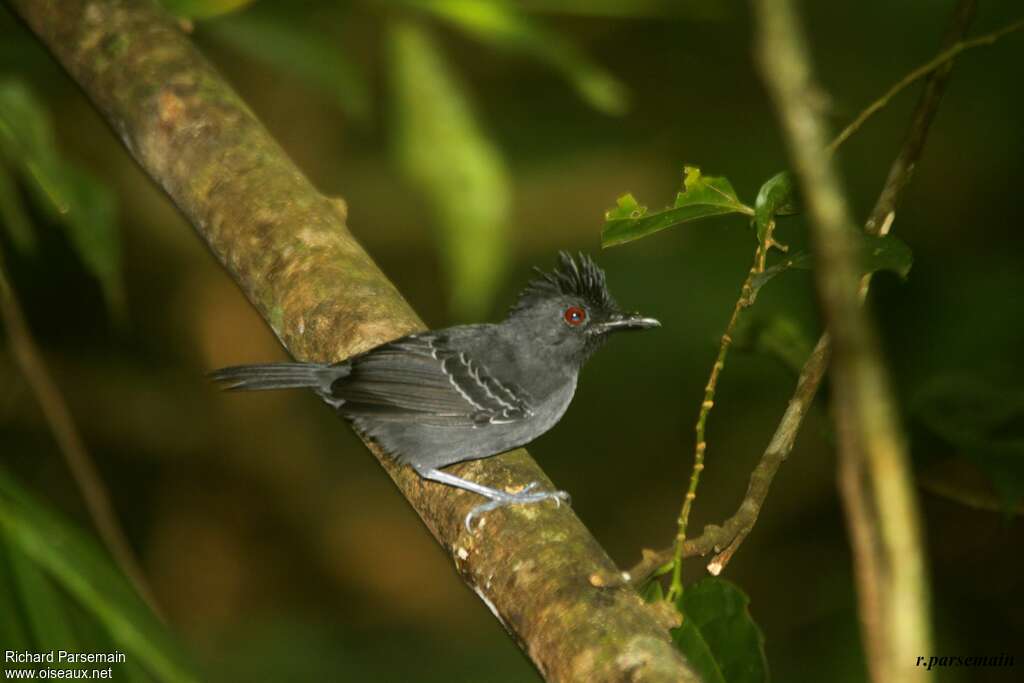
(290, 251)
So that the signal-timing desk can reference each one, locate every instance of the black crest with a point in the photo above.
(581, 278)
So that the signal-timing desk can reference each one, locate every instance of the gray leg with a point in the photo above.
(497, 498)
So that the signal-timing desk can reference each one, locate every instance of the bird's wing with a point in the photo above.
(422, 378)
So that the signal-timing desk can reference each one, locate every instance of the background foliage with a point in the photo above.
(472, 140)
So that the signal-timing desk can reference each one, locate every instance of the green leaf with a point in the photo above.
(626, 208)
(885, 253)
(981, 422)
(47, 617)
(454, 165)
(203, 9)
(718, 635)
(41, 617)
(14, 627)
(877, 253)
(27, 141)
(694, 10)
(295, 48)
(12, 214)
(777, 197)
(74, 562)
(800, 260)
(500, 23)
(91, 225)
(652, 591)
(779, 337)
(702, 196)
(78, 202)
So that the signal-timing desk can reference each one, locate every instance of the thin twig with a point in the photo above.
(875, 477)
(726, 538)
(940, 60)
(745, 300)
(731, 532)
(902, 169)
(97, 501)
(878, 223)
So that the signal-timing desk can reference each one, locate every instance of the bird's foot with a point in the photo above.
(525, 497)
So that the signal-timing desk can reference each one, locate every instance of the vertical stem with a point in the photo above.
(901, 172)
(873, 463)
(746, 298)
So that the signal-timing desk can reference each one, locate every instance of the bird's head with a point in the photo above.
(570, 311)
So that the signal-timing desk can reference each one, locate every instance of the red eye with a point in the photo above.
(574, 315)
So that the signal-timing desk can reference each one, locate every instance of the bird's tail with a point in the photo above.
(280, 376)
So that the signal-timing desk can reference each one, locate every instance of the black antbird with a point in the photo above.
(433, 399)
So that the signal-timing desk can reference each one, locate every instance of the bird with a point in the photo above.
(432, 399)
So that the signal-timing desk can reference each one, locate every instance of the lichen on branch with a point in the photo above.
(289, 249)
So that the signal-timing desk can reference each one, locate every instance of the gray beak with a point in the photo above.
(626, 321)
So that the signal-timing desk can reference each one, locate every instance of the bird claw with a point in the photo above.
(524, 497)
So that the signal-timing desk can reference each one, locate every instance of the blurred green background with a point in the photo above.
(473, 140)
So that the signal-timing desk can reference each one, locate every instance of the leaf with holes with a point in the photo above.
(702, 197)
